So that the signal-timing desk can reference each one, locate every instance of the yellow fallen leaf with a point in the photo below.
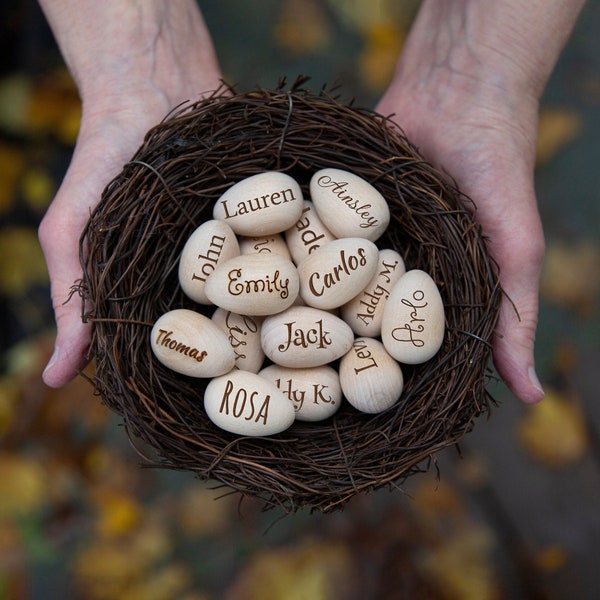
(23, 485)
(105, 568)
(49, 105)
(166, 583)
(108, 468)
(557, 128)
(302, 27)
(551, 558)
(377, 62)
(554, 431)
(364, 14)
(22, 263)
(461, 567)
(54, 106)
(117, 512)
(571, 275)
(37, 188)
(315, 570)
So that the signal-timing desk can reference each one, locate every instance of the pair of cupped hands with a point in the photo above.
(466, 93)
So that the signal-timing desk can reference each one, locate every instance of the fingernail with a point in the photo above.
(52, 360)
(535, 381)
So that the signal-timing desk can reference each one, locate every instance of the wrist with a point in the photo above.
(508, 46)
(120, 48)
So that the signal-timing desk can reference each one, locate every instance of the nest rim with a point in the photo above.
(129, 255)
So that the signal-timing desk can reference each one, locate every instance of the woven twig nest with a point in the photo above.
(130, 254)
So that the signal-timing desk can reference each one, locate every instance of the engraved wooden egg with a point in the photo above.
(211, 243)
(335, 273)
(365, 311)
(191, 344)
(303, 336)
(307, 234)
(263, 204)
(413, 325)
(243, 333)
(348, 205)
(371, 379)
(266, 244)
(246, 404)
(315, 392)
(254, 284)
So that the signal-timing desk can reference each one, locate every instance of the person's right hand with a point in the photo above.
(132, 64)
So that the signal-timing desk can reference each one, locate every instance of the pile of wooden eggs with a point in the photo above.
(300, 286)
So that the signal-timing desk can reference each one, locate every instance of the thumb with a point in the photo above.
(514, 338)
(516, 242)
(93, 163)
(59, 237)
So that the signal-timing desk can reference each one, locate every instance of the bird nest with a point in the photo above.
(130, 251)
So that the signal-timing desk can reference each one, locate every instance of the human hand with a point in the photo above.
(470, 106)
(132, 65)
(490, 156)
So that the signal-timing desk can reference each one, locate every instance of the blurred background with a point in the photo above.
(514, 513)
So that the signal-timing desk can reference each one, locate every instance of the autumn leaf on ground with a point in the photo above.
(54, 107)
(557, 128)
(49, 105)
(571, 276)
(382, 46)
(165, 583)
(23, 485)
(107, 568)
(363, 14)
(38, 188)
(315, 570)
(461, 567)
(554, 432)
(302, 27)
(551, 558)
(118, 513)
(21, 261)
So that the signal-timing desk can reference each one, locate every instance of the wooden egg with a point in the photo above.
(243, 333)
(211, 243)
(365, 311)
(335, 273)
(266, 244)
(307, 234)
(371, 379)
(303, 336)
(348, 205)
(412, 328)
(263, 204)
(246, 404)
(314, 392)
(254, 284)
(190, 343)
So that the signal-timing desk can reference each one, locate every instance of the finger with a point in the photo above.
(511, 223)
(59, 233)
(514, 338)
(59, 238)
